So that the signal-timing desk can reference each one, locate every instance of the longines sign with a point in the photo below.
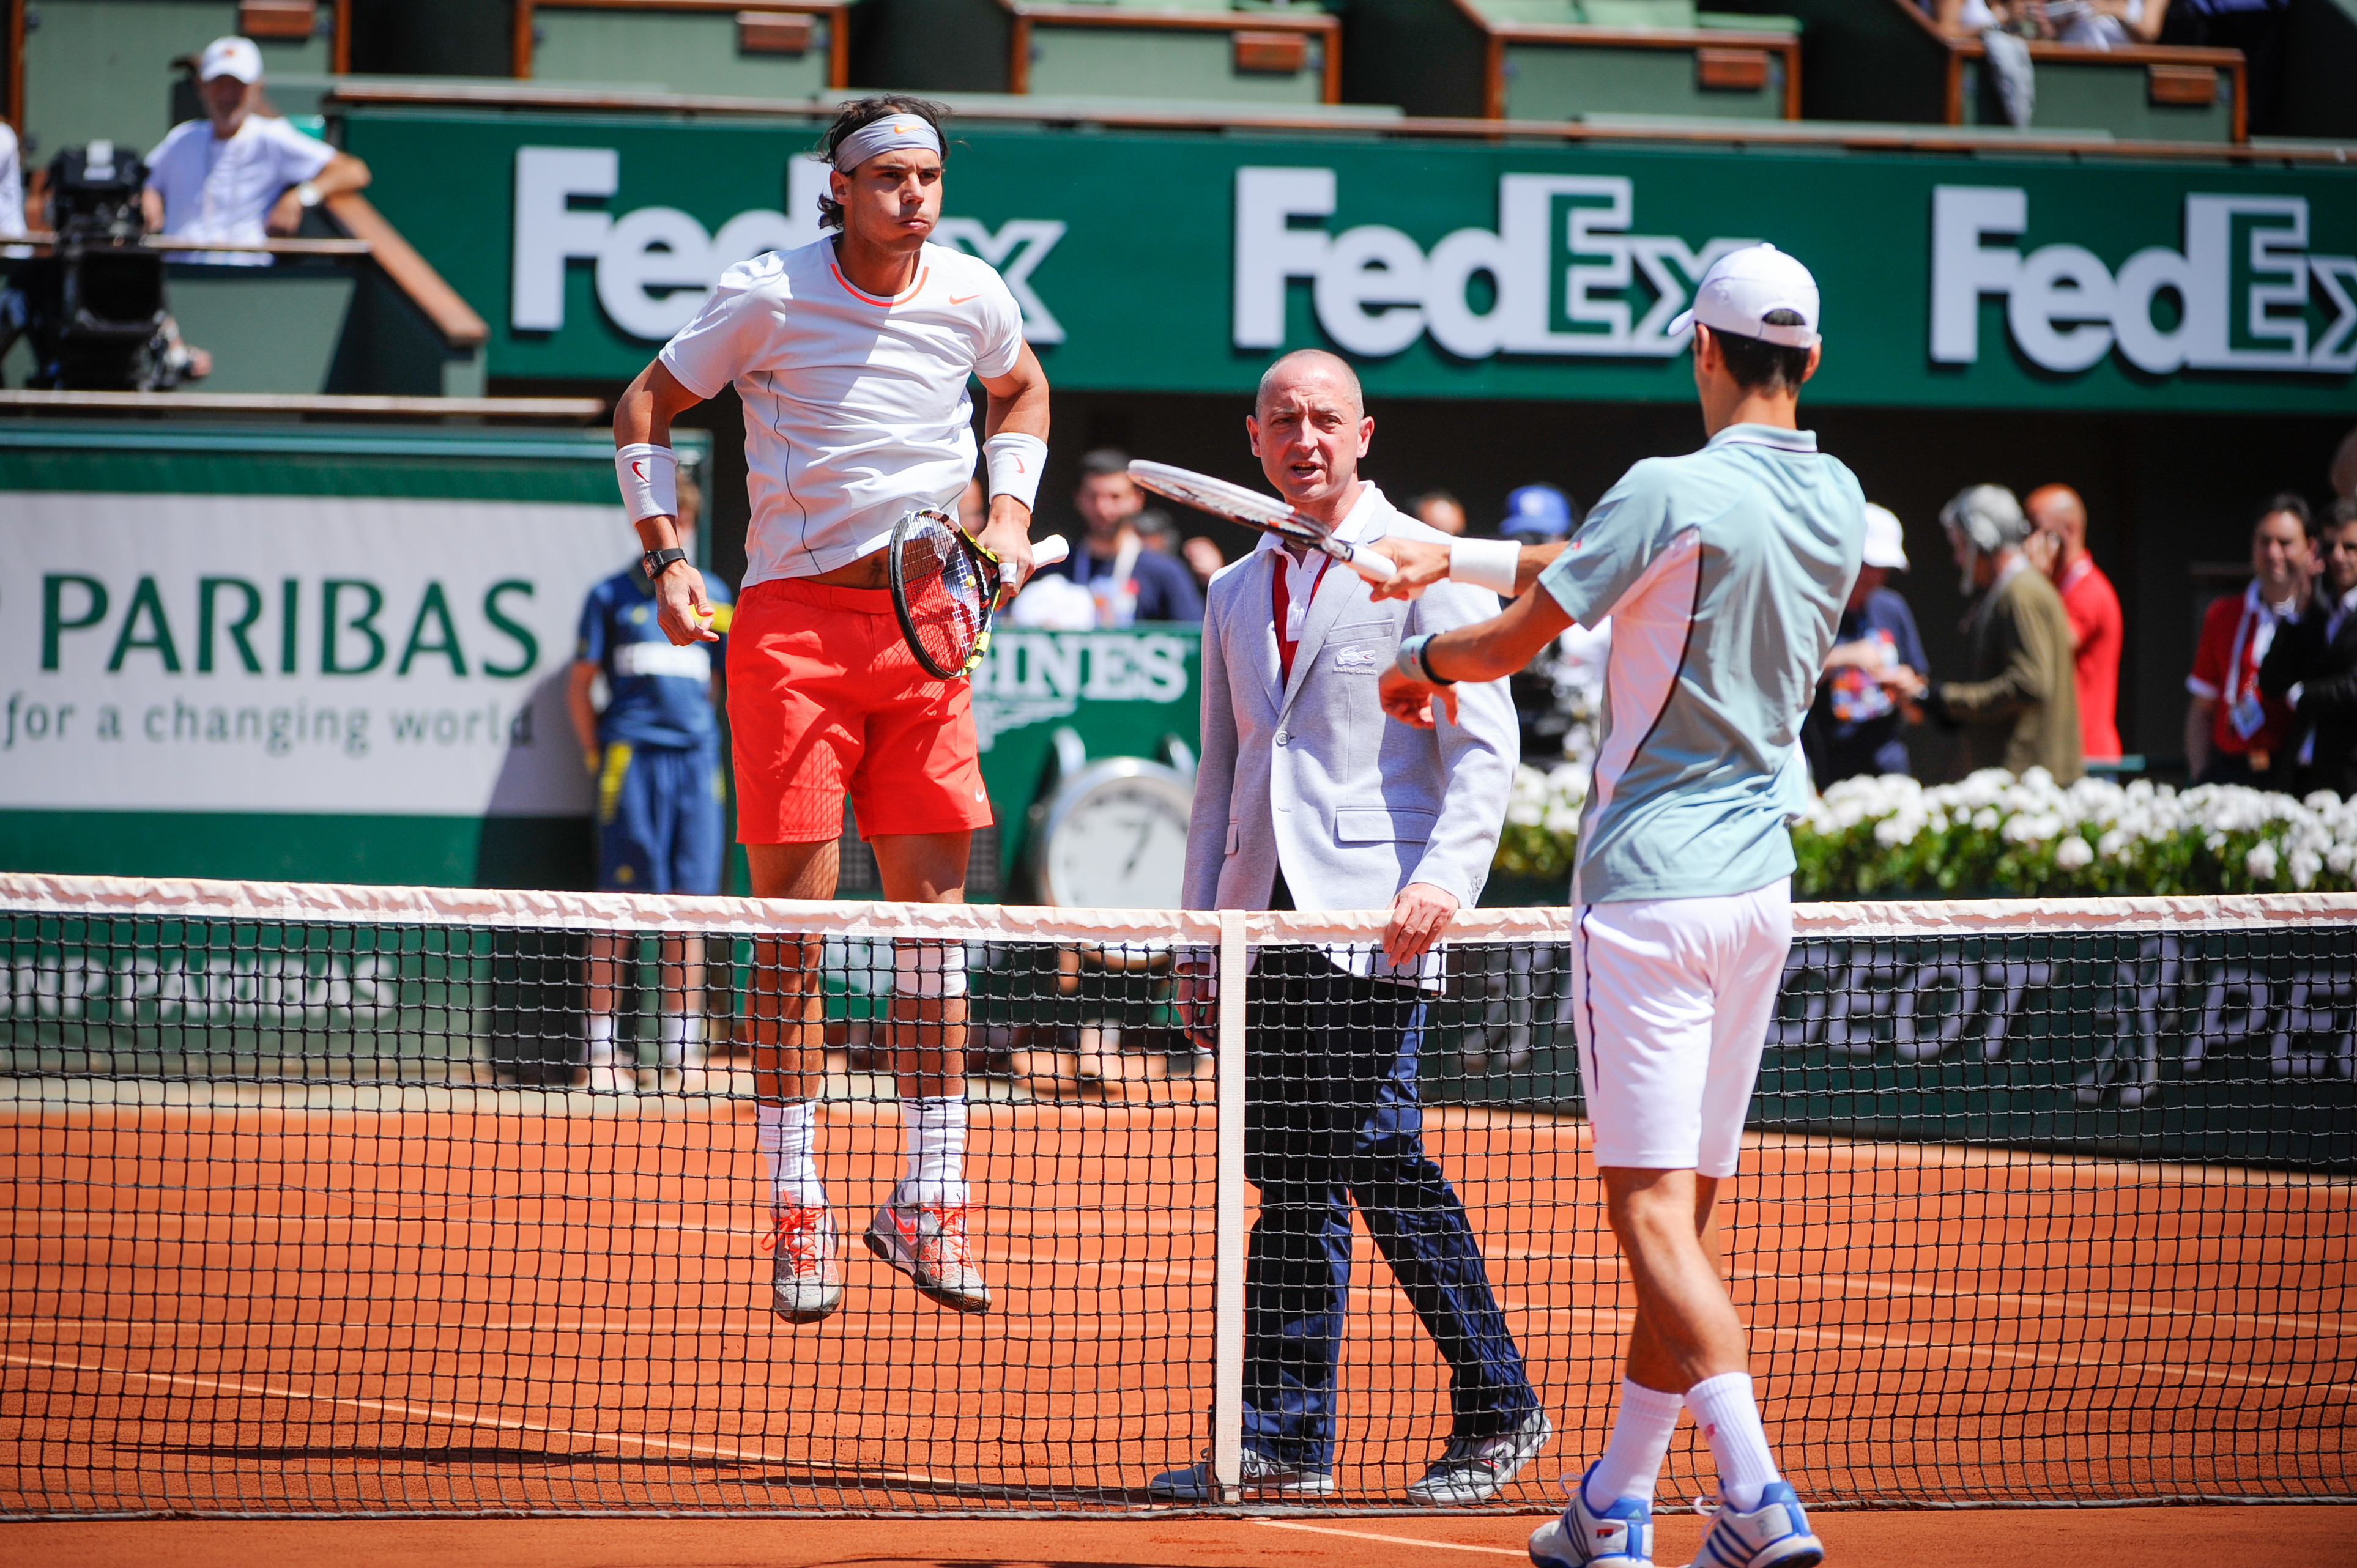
(1167, 264)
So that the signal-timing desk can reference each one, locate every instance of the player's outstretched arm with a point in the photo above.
(1018, 407)
(642, 416)
(1486, 650)
(1421, 563)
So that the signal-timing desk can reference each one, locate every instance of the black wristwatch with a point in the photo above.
(655, 563)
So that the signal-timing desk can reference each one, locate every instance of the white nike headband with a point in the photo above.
(887, 135)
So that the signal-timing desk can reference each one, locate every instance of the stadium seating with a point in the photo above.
(1559, 60)
(103, 68)
(760, 49)
(1253, 51)
(1884, 61)
(2320, 61)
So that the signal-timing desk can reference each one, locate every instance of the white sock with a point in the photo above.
(601, 1039)
(1730, 1419)
(683, 1039)
(1641, 1429)
(786, 1134)
(935, 1130)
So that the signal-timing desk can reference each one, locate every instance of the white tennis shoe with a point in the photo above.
(1620, 1536)
(1773, 1535)
(926, 1243)
(1474, 1469)
(806, 1278)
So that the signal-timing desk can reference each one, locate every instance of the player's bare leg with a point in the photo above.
(680, 1000)
(1686, 1351)
(785, 1023)
(1686, 1329)
(607, 1071)
(921, 1231)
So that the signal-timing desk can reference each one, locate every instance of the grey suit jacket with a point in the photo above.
(1309, 775)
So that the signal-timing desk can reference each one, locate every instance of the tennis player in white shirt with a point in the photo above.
(852, 357)
(236, 176)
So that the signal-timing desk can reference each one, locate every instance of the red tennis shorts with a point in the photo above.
(824, 698)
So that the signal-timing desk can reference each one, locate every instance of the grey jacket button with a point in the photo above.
(1281, 737)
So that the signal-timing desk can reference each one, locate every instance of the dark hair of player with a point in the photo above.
(864, 111)
(2290, 502)
(1765, 367)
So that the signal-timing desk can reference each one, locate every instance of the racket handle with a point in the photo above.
(1374, 568)
(1049, 550)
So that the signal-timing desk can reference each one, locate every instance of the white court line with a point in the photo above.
(445, 1416)
(1614, 1320)
(1873, 1285)
(1600, 1262)
(1388, 1540)
(2093, 1306)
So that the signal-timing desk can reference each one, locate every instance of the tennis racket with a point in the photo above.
(1254, 509)
(945, 590)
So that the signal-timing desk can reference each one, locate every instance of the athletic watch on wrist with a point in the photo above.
(308, 194)
(1411, 661)
(655, 563)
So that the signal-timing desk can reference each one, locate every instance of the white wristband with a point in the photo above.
(1485, 564)
(649, 481)
(1015, 464)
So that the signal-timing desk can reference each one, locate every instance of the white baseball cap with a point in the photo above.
(1886, 541)
(1742, 286)
(230, 56)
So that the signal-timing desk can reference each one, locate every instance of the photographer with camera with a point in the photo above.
(237, 176)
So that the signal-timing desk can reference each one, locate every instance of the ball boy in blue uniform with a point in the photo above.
(654, 752)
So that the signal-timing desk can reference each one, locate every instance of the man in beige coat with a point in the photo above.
(2020, 707)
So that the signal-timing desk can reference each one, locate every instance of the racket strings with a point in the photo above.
(947, 591)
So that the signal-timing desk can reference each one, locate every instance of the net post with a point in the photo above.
(1228, 1256)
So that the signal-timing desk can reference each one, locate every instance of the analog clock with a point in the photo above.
(1115, 837)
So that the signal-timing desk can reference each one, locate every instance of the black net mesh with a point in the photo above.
(342, 1217)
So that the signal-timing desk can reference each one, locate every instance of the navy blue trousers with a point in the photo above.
(1331, 1119)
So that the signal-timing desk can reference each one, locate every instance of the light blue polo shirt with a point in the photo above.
(1724, 574)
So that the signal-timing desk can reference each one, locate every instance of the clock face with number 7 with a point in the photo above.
(1116, 838)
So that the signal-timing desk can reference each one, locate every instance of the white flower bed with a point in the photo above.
(1995, 834)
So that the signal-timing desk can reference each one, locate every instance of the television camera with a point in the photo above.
(94, 306)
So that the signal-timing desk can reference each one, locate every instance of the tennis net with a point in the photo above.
(322, 1203)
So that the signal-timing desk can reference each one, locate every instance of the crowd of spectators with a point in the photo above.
(2272, 694)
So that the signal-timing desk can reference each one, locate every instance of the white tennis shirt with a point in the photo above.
(855, 407)
(222, 190)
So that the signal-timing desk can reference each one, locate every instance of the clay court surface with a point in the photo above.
(433, 1300)
(2081, 1538)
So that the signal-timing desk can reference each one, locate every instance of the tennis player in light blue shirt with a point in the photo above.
(1724, 574)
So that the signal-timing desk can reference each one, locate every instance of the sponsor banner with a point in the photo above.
(357, 655)
(1125, 692)
(2208, 1044)
(1149, 262)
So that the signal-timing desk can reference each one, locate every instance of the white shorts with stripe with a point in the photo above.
(1670, 1001)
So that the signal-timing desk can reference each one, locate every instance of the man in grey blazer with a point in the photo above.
(1306, 797)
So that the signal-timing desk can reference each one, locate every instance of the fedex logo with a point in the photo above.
(654, 265)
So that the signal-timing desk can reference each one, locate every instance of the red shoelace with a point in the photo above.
(951, 1239)
(797, 1230)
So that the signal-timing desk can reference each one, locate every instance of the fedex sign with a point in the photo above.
(1563, 261)
(655, 266)
(2242, 285)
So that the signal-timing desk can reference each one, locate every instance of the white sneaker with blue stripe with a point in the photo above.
(1773, 1535)
(1621, 1536)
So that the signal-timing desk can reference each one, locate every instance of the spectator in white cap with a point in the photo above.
(1858, 725)
(237, 176)
(2019, 708)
